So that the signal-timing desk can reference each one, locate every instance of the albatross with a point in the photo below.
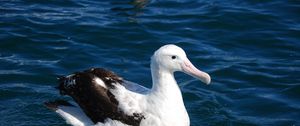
(102, 98)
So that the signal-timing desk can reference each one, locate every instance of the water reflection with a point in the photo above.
(139, 4)
(129, 9)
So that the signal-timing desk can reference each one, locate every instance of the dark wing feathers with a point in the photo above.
(96, 101)
(55, 104)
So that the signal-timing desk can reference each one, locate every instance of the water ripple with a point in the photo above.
(250, 49)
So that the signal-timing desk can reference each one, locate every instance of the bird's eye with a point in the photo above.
(173, 57)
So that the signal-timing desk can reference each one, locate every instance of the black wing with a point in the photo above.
(95, 100)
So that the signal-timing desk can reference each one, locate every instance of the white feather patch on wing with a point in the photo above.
(74, 116)
(109, 122)
(100, 82)
(129, 102)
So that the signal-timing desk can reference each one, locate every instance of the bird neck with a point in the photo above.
(164, 85)
(165, 99)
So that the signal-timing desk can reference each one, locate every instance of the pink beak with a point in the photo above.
(190, 69)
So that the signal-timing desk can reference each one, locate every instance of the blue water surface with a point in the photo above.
(251, 49)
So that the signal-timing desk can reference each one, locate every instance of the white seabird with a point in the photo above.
(102, 98)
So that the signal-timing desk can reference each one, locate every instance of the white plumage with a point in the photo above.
(161, 106)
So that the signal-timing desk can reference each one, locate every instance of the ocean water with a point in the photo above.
(251, 49)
